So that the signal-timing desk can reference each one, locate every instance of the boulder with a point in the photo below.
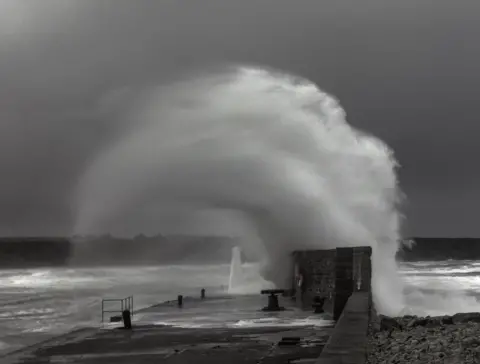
(420, 321)
(447, 320)
(389, 323)
(430, 322)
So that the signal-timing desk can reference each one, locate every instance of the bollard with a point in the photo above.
(203, 294)
(273, 303)
(318, 303)
(273, 299)
(180, 300)
(127, 320)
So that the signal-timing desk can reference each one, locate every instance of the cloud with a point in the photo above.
(404, 71)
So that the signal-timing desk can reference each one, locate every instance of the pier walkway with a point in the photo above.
(251, 336)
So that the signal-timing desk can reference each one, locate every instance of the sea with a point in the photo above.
(37, 304)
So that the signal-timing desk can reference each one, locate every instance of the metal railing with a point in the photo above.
(125, 304)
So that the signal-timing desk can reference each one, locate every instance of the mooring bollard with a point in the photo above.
(318, 303)
(127, 319)
(202, 294)
(273, 299)
(180, 300)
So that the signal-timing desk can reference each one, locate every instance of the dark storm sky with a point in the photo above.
(406, 71)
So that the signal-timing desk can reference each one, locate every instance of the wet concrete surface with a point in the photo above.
(162, 344)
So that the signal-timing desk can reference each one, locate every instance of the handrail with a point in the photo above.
(125, 304)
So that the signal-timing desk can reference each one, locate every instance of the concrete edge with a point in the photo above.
(348, 342)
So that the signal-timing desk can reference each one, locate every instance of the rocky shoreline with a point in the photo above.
(410, 339)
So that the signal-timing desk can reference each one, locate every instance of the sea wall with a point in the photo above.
(349, 340)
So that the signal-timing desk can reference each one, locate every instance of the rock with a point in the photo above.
(447, 320)
(433, 323)
(470, 342)
(418, 322)
(395, 349)
(441, 339)
(411, 323)
(388, 323)
(466, 317)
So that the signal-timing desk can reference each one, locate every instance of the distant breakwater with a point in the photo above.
(34, 252)
(20, 252)
(435, 249)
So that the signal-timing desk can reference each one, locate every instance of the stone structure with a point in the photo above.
(342, 277)
(316, 271)
(332, 275)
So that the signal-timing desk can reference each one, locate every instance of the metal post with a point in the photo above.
(127, 322)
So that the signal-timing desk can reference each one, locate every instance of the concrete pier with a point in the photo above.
(157, 343)
(338, 278)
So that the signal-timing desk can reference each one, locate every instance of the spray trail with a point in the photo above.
(236, 270)
(274, 149)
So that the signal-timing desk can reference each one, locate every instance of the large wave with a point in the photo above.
(274, 149)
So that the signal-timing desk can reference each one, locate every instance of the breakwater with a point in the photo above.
(411, 339)
(30, 252)
(25, 252)
(437, 248)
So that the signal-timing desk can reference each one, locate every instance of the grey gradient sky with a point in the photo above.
(406, 71)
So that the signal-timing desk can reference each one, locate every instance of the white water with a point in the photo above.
(264, 155)
(236, 271)
(244, 278)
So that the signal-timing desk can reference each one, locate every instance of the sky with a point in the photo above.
(406, 71)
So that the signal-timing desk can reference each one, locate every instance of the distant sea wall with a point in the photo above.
(428, 249)
(108, 251)
(34, 252)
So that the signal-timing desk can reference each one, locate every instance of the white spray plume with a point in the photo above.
(272, 147)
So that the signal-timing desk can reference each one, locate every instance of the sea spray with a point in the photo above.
(236, 271)
(271, 152)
